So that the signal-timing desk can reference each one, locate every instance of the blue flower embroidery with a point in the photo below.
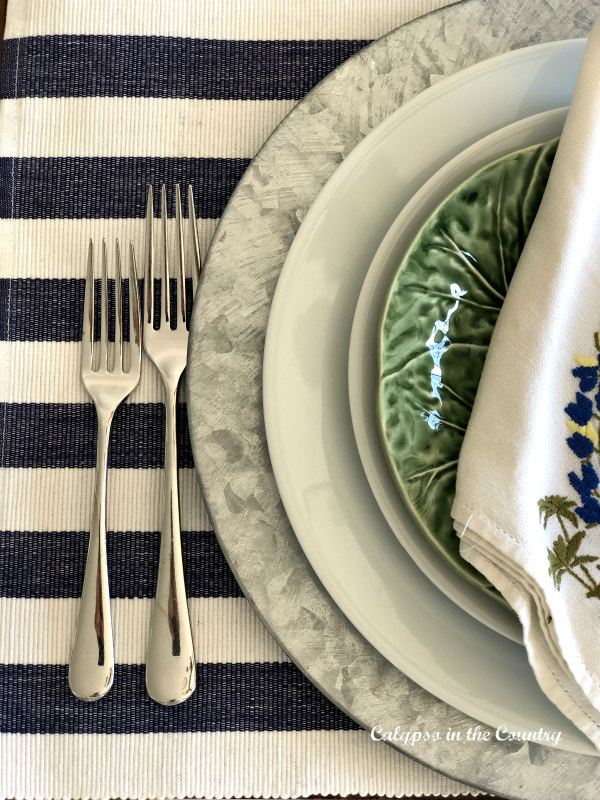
(588, 377)
(587, 483)
(581, 411)
(581, 445)
(590, 510)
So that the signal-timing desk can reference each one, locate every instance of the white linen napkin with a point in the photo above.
(527, 504)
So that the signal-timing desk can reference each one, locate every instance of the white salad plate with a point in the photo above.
(318, 470)
(362, 361)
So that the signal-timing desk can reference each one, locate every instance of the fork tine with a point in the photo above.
(180, 254)
(197, 265)
(87, 333)
(118, 312)
(167, 271)
(135, 339)
(104, 309)
(149, 258)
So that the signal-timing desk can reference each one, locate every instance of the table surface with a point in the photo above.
(3, 7)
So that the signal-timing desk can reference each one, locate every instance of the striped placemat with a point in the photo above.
(99, 99)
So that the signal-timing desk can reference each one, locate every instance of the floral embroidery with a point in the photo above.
(565, 557)
(581, 411)
(588, 431)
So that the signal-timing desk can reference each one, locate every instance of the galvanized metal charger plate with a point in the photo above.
(225, 381)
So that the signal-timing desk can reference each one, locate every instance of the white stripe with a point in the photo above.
(61, 499)
(40, 631)
(57, 248)
(238, 19)
(49, 372)
(267, 764)
(119, 126)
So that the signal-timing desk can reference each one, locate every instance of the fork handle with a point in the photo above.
(92, 665)
(170, 662)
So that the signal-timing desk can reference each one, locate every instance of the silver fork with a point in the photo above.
(91, 669)
(170, 662)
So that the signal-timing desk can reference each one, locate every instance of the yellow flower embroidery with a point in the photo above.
(586, 361)
(585, 430)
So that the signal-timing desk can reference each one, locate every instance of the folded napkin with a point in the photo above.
(527, 504)
(98, 99)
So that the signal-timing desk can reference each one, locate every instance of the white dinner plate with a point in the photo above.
(315, 460)
(362, 361)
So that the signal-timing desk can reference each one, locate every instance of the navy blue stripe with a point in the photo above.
(111, 187)
(36, 310)
(51, 310)
(159, 66)
(63, 436)
(228, 697)
(51, 564)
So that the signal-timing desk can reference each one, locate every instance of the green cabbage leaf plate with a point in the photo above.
(435, 330)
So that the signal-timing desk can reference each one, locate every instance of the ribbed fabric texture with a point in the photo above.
(99, 99)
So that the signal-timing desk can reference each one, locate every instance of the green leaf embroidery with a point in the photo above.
(584, 560)
(556, 569)
(563, 559)
(573, 546)
(556, 505)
